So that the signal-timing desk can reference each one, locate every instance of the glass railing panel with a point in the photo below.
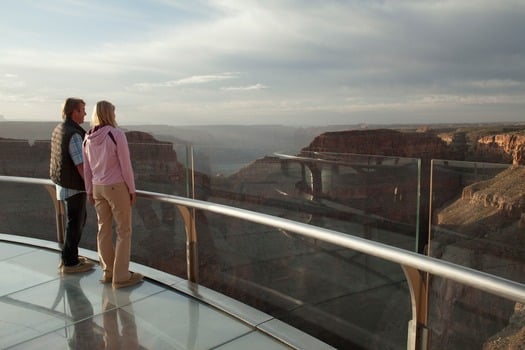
(478, 207)
(476, 221)
(157, 227)
(159, 166)
(371, 196)
(159, 236)
(383, 191)
(342, 297)
(27, 210)
(24, 158)
(366, 196)
(461, 317)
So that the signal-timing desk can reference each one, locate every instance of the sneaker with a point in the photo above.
(82, 266)
(134, 279)
(80, 259)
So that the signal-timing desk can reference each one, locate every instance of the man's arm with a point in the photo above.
(80, 168)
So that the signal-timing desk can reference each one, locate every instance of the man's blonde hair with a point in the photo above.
(70, 105)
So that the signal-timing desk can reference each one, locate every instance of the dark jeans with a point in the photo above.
(76, 219)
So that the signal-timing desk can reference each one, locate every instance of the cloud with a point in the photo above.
(386, 55)
(192, 80)
(245, 88)
(11, 82)
(495, 83)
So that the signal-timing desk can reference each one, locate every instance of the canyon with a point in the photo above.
(476, 221)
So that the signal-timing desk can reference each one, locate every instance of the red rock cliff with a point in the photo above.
(508, 145)
(384, 142)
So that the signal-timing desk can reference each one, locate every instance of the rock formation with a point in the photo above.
(475, 144)
(511, 337)
(482, 229)
(507, 145)
(384, 142)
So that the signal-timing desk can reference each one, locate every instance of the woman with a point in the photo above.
(110, 186)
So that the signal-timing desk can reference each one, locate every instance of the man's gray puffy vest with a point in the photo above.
(62, 170)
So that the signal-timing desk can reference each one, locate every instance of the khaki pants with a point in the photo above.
(113, 202)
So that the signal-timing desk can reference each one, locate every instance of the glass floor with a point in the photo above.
(42, 309)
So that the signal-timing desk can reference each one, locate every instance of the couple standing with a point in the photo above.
(97, 163)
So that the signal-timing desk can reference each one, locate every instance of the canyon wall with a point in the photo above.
(468, 145)
(383, 142)
(508, 146)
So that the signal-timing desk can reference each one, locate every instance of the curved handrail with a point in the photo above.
(475, 278)
(412, 263)
(481, 280)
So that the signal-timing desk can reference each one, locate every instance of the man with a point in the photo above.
(66, 171)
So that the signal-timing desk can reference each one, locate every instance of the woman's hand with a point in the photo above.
(90, 198)
(133, 198)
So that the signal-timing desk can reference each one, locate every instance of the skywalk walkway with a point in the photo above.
(41, 309)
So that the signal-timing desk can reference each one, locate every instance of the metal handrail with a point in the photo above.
(413, 264)
(481, 280)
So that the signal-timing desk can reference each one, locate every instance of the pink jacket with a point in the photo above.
(106, 159)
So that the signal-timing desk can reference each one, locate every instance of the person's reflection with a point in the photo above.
(113, 303)
(86, 333)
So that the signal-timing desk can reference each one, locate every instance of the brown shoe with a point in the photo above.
(134, 279)
(80, 259)
(82, 266)
(106, 279)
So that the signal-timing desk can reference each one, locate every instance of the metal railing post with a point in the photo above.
(192, 252)
(60, 213)
(417, 338)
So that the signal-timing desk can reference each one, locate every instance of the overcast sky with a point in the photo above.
(308, 62)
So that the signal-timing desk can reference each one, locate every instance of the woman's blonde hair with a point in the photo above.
(103, 114)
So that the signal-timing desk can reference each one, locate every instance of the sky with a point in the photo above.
(289, 62)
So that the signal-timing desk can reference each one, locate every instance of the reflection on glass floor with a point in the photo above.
(40, 309)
